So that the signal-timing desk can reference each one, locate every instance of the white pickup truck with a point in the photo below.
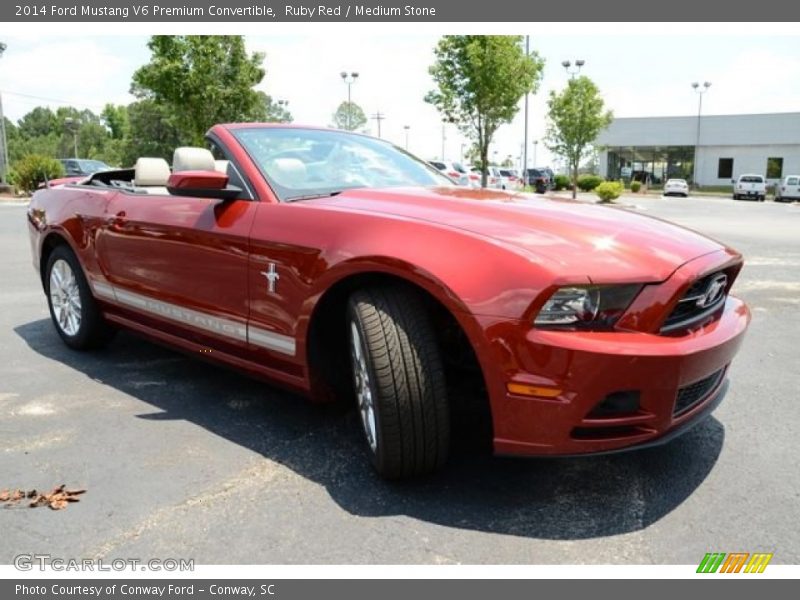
(788, 189)
(750, 186)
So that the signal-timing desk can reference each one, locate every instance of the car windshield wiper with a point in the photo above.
(313, 196)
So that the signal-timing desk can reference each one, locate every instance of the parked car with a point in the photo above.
(453, 170)
(788, 189)
(512, 179)
(493, 177)
(540, 175)
(501, 182)
(82, 166)
(750, 186)
(339, 266)
(676, 186)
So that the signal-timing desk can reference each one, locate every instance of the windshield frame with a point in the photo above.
(279, 191)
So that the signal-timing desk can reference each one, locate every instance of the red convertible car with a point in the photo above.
(340, 266)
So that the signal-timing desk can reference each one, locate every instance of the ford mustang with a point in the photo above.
(341, 267)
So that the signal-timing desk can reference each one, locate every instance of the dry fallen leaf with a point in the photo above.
(57, 499)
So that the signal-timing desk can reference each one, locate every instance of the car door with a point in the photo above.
(180, 263)
(792, 187)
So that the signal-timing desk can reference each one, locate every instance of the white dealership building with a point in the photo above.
(726, 146)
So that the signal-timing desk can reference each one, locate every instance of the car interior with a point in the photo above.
(150, 175)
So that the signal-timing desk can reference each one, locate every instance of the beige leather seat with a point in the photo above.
(151, 175)
(188, 158)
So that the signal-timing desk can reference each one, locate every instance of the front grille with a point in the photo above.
(690, 395)
(692, 309)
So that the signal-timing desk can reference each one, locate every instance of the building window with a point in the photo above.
(774, 168)
(725, 168)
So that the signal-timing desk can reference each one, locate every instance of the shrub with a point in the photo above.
(609, 190)
(561, 182)
(588, 182)
(34, 169)
(636, 186)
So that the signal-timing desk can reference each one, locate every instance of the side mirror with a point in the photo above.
(202, 184)
(733, 181)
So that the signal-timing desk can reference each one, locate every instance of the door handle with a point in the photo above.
(117, 221)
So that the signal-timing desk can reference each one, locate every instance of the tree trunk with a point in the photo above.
(575, 181)
(484, 164)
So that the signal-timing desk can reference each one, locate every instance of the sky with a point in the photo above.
(639, 75)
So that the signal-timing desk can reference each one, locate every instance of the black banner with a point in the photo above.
(498, 11)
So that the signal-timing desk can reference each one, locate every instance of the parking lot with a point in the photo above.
(183, 459)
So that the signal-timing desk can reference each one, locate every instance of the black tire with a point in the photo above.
(93, 331)
(405, 379)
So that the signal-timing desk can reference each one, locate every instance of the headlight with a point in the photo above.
(586, 306)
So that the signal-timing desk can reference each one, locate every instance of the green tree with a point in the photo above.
(116, 119)
(575, 118)
(480, 80)
(38, 122)
(153, 132)
(349, 116)
(202, 80)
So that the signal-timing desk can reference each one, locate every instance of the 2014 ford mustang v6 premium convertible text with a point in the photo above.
(340, 266)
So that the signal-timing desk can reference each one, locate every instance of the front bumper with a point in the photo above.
(586, 367)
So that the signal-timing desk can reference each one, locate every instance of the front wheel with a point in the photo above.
(73, 309)
(399, 381)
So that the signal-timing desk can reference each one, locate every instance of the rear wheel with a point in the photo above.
(73, 309)
(399, 381)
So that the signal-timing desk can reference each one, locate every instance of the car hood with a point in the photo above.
(572, 239)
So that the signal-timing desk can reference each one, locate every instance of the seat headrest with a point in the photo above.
(150, 171)
(289, 172)
(192, 159)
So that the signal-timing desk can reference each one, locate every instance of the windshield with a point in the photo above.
(751, 179)
(93, 166)
(677, 181)
(303, 163)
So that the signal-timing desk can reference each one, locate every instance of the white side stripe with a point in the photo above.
(222, 327)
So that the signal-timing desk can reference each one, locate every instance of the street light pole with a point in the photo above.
(573, 72)
(3, 141)
(283, 105)
(700, 91)
(406, 128)
(349, 80)
(525, 138)
(72, 125)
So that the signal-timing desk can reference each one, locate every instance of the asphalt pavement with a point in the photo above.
(182, 459)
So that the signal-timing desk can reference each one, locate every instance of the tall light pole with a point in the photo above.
(72, 125)
(3, 142)
(283, 105)
(406, 128)
(525, 138)
(445, 121)
(349, 79)
(573, 72)
(700, 91)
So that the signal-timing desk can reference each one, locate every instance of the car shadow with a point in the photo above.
(559, 499)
